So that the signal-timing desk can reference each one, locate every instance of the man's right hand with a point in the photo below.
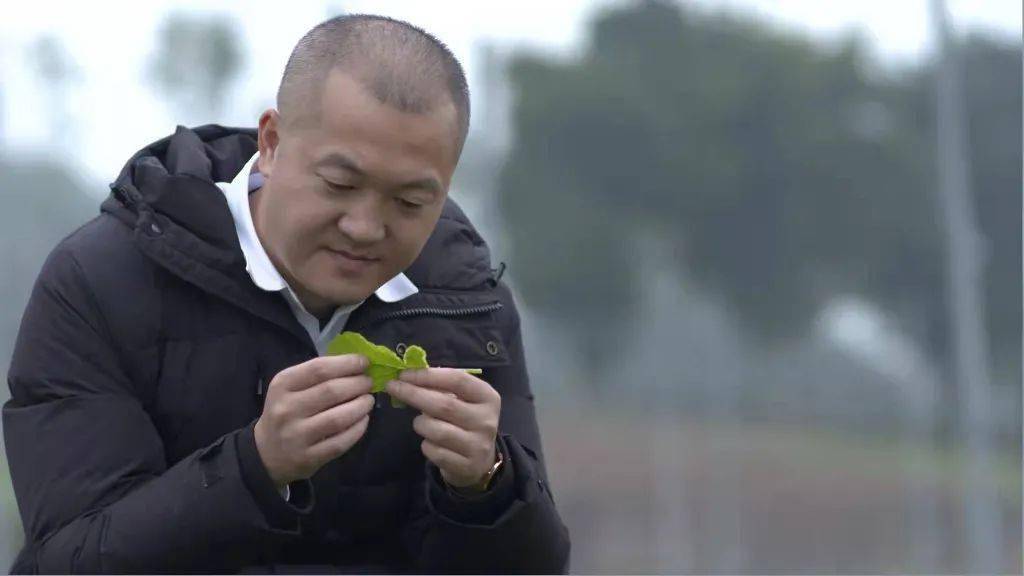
(314, 412)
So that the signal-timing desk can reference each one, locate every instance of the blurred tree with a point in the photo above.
(197, 59)
(58, 73)
(783, 173)
(992, 83)
(52, 61)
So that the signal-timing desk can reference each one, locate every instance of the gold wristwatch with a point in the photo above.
(484, 482)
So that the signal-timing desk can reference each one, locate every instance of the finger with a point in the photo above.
(323, 368)
(334, 446)
(466, 386)
(448, 435)
(326, 395)
(444, 458)
(336, 420)
(441, 405)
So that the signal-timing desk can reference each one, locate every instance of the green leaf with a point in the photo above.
(381, 375)
(355, 343)
(385, 365)
(415, 357)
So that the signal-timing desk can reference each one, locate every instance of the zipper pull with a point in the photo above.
(123, 195)
(496, 274)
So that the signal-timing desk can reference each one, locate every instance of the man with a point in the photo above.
(172, 409)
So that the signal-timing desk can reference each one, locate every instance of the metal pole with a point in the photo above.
(982, 522)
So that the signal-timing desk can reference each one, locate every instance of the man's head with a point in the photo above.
(371, 117)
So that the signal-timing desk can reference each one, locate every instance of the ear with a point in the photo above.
(269, 139)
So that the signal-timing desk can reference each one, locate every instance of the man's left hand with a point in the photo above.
(459, 420)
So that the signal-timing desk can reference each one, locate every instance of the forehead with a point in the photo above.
(354, 121)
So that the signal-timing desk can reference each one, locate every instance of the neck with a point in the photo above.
(322, 309)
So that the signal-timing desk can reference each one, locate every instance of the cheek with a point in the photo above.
(410, 241)
(299, 232)
(307, 234)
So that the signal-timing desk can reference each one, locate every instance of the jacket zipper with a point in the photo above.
(442, 312)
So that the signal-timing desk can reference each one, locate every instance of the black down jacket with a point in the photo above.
(139, 372)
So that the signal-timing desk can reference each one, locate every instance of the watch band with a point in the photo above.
(484, 482)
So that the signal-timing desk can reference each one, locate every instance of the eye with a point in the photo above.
(338, 187)
(408, 204)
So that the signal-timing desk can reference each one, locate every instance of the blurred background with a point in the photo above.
(768, 254)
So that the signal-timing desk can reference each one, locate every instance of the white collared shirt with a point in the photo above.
(263, 273)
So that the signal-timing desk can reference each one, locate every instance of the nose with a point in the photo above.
(363, 221)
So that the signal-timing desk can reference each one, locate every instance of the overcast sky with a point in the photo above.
(117, 113)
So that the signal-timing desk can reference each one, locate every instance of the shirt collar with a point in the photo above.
(258, 264)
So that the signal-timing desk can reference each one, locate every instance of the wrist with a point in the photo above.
(279, 482)
(485, 482)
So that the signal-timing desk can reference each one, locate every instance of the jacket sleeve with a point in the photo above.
(515, 527)
(92, 483)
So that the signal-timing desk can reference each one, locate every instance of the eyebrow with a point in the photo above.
(339, 160)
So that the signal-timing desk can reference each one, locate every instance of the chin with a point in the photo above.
(341, 288)
(347, 297)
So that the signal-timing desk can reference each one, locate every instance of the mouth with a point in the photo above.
(355, 256)
(351, 262)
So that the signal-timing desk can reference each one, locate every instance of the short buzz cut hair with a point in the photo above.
(402, 66)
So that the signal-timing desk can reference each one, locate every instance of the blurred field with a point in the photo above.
(810, 501)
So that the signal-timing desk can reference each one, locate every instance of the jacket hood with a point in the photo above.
(168, 189)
